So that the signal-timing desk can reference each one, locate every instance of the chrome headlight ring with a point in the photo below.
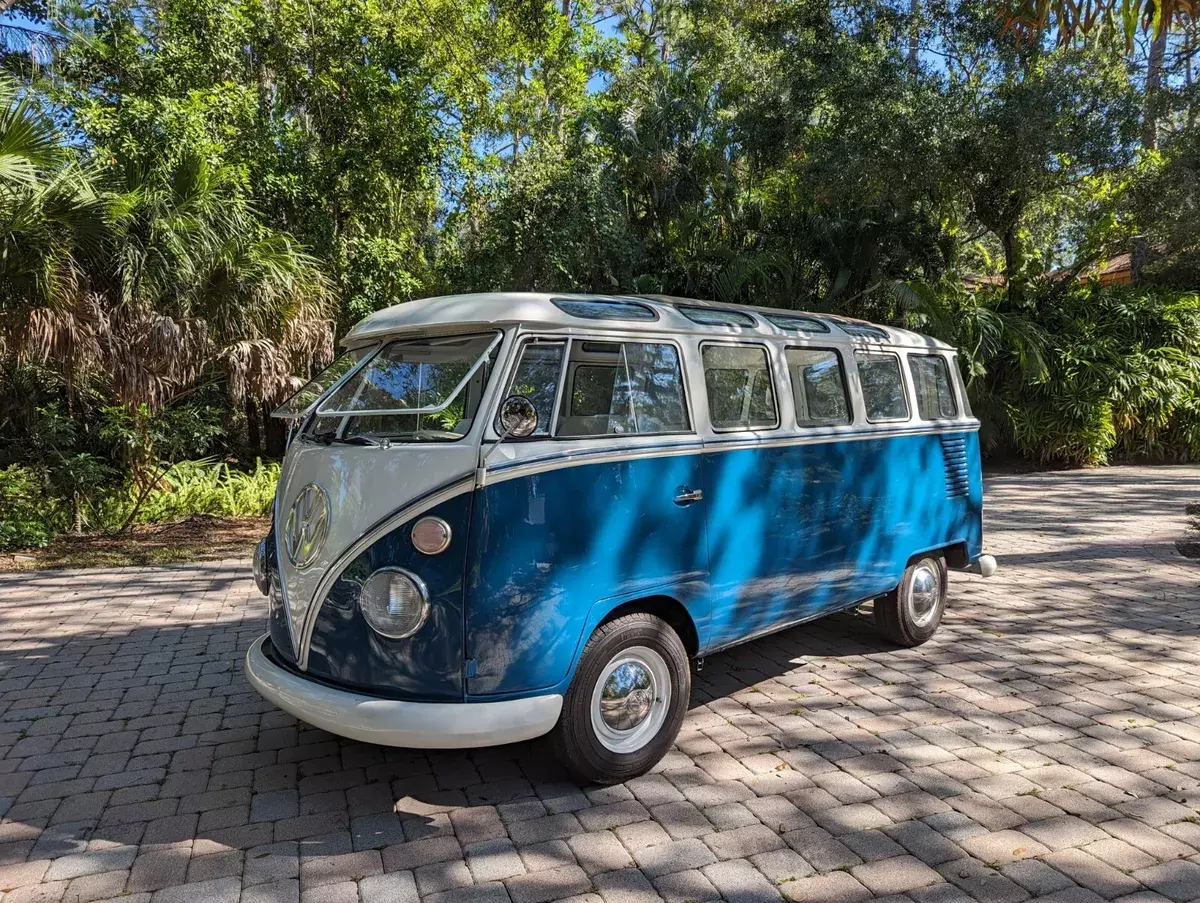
(394, 602)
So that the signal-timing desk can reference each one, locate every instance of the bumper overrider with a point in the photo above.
(396, 722)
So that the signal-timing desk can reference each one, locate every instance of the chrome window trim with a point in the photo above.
(846, 393)
(909, 356)
(578, 335)
(561, 389)
(905, 389)
(337, 384)
(768, 360)
(522, 342)
(434, 409)
(559, 459)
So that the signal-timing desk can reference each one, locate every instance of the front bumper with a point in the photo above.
(396, 722)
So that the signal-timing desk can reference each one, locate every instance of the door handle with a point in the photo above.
(688, 496)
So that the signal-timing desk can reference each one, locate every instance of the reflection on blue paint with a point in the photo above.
(783, 535)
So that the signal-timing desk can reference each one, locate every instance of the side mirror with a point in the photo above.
(518, 416)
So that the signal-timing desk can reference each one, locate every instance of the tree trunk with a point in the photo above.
(1154, 74)
(914, 38)
(253, 435)
(1189, 53)
(276, 437)
(1011, 260)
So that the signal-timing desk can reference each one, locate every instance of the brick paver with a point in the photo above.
(1046, 744)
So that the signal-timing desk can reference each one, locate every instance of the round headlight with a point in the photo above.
(258, 565)
(395, 602)
(431, 535)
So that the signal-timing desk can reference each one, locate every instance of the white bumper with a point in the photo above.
(395, 722)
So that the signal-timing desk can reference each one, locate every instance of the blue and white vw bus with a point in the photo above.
(508, 515)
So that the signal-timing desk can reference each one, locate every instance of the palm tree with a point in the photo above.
(54, 222)
(1072, 19)
(138, 281)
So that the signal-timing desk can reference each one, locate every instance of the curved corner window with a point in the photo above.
(882, 387)
(790, 323)
(716, 316)
(310, 393)
(604, 310)
(737, 380)
(413, 390)
(931, 379)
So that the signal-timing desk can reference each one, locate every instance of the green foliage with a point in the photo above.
(199, 194)
(195, 487)
(32, 516)
(1084, 376)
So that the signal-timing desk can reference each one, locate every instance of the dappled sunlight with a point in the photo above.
(1052, 722)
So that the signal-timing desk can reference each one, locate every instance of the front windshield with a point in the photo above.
(308, 394)
(413, 390)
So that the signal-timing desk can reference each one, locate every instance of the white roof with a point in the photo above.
(539, 311)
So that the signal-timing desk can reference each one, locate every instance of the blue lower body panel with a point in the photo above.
(783, 534)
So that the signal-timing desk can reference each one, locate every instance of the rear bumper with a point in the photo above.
(984, 566)
(395, 722)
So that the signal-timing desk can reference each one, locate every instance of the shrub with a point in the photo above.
(196, 487)
(1123, 379)
(29, 518)
(1077, 377)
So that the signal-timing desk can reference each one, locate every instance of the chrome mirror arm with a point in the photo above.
(481, 468)
(519, 418)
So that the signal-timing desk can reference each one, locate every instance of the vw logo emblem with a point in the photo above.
(307, 525)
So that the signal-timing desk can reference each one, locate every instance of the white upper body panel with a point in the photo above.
(538, 311)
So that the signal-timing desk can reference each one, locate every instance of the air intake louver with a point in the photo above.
(954, 455)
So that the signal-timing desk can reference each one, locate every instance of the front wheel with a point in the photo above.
(910, 614)
(627, 701)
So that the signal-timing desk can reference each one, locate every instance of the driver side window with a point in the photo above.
(536, 377)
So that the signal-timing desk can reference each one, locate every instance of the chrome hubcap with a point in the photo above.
(626, 697)
(923, 594)
(630, 699)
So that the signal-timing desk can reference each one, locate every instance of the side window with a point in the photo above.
(882, 386)
(622, 388)
(818, 385)
(737, 379)
(536, 377)
(931, 379)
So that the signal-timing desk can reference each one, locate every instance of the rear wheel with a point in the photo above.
(910, 614)
(627, 701)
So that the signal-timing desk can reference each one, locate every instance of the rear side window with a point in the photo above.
(931, 379)
(737, 380)
(882, 386)
(623, 388)
(818, 386)
(536, 377)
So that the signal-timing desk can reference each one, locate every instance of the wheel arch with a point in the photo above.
(660, 605)
(954, 554)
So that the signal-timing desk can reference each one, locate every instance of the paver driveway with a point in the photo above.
(1046, 743)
